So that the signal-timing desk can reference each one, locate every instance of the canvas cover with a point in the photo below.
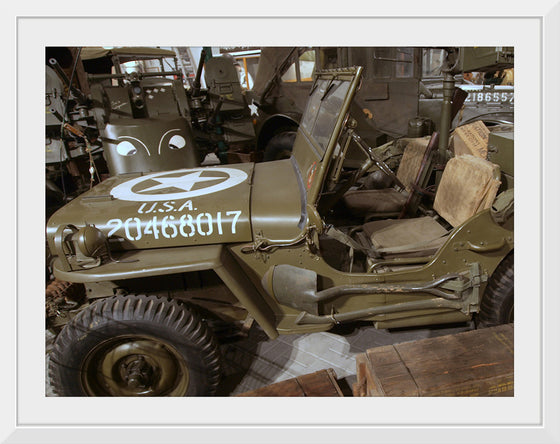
(412, 161)
(468, 185)
(471, 139)
(389, 200)
(422, 234)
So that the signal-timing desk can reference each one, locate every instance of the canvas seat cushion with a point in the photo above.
(422, 235)
(468, 185)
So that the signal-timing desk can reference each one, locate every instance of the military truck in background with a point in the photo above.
(220, 115)
(126, 109)
(164, 255)
(109, 112)
(401, 95)
(141, 109)
(487, 78)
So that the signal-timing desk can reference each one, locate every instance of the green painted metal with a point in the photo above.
(160, 210)
(484, 58)
(501, 152)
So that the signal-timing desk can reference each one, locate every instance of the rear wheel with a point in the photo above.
(135, 345)
(497, 303)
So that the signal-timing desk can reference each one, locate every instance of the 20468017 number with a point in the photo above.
(170, 227)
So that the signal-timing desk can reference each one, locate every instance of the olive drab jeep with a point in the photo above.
(161, 254)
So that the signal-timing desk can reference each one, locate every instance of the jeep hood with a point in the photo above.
(172, 208)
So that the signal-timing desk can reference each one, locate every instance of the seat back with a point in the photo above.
(388, 202)
(468, 185)
(411, 162)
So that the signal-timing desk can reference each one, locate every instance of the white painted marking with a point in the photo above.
(182, 180)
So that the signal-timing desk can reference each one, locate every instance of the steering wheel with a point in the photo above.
(374, 159)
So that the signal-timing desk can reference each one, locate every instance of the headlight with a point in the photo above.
(86, 247)
(91, 241)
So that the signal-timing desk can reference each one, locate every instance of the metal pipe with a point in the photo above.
(55, 113)
(307, 318)
(79, 95)
(196, 83)
(400, 261)
(127, 76)
(54, 63)
(445, 122)
(216, 111)
(343, 290)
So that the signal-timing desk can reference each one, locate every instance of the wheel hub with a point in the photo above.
(138, 373)
(134, 366)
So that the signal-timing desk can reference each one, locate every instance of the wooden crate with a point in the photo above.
(321, 383)
(473, 363)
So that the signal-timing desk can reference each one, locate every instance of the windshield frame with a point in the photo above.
(322, 111)
(312, 156)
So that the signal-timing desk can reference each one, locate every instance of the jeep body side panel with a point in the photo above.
(143, 263)
(478, 241)
(234, 276)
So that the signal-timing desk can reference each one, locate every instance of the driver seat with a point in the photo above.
(389, 202)
(468, 185)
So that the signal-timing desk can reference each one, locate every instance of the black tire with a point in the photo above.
(135, 345)
(497, 303)
(280, 146)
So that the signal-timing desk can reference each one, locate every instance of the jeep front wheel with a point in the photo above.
(135, 345)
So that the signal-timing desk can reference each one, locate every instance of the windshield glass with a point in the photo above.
(323, 108)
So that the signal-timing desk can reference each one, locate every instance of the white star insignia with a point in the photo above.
(184, 183)
(254, 108)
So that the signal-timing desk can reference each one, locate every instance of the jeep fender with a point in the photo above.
(164, 261)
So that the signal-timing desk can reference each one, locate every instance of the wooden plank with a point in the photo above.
(289, 388)
(391, 376)
(360, 386)
(321, 383)
(474, 363)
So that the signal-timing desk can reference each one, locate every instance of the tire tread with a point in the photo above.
(498, 293)
(174, 315)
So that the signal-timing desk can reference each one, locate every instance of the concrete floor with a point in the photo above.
(257, 361)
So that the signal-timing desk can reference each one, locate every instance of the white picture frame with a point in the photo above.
(530, 416)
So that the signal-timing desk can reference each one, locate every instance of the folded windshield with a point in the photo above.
(323, 108)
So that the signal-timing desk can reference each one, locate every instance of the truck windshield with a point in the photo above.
(323, 108)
